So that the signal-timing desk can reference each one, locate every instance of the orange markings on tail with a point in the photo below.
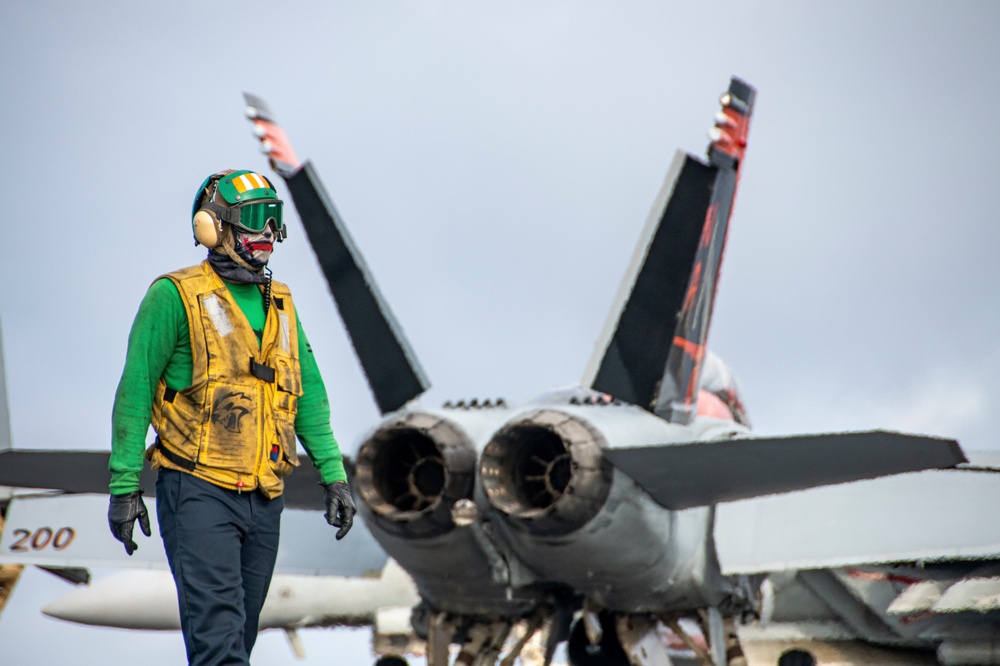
(692, 349)
(733, 133)
(697, 353)
(281, 147)
(709, 227)
(706, 237)
(693, 287)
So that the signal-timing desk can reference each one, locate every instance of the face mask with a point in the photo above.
(254, 247)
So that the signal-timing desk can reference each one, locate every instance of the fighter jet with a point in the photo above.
(588, 513)
(597, 500)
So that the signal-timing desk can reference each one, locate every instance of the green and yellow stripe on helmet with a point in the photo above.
(242, 186)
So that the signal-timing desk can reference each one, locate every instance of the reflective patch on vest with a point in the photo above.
(285, 333)
(217, 314)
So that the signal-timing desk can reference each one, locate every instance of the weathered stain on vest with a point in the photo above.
(236, 422)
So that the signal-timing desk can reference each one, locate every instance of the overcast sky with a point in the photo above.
(495, 163)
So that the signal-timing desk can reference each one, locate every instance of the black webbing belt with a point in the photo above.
(175, 458)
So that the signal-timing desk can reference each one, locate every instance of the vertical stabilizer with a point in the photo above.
(629, 358)
(678, 394)
(653, 344)
(390, 366)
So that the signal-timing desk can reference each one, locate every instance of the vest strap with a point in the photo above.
(176, 459)
(261, 371)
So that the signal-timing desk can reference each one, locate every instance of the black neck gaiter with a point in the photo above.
(229, 270)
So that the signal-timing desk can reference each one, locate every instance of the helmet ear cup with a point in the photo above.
(207, 228)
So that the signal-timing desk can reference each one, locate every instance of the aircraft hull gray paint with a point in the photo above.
(639, 557)
(448, 563)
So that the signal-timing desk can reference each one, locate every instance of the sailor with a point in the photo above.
(218, 362)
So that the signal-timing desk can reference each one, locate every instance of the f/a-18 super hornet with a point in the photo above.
(596, 502)
(587, 514)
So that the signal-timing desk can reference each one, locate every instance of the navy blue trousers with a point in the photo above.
(221, 546)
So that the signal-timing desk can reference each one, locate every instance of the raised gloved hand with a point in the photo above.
(340, 507)
(122, 513)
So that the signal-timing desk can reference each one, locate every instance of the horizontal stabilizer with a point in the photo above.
(708, 472)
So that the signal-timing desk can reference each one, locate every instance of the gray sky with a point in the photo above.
(495, 163)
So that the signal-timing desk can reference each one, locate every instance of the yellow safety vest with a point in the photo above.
(235, 425)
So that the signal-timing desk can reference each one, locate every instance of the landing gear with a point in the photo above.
(796, 658)
(391, 660)
(607, 652)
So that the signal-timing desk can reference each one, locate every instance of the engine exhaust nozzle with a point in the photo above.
(412, 470)
(546, 472)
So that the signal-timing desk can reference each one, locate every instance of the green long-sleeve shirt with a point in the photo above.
(159, 344)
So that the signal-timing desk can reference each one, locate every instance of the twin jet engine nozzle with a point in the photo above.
(545, 492)
(543, 468)
(411, 472)
(545, 471)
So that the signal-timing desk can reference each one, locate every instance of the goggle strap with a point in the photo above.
(224, 213)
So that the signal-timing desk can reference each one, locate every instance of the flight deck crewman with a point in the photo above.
(218, 362)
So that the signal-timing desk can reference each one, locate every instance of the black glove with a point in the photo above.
(122, 512)
(340, 507)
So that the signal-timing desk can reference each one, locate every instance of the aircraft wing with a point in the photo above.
(680, 476)
(924, 516)
(69, 471)
(87, 472)
(72, 530)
